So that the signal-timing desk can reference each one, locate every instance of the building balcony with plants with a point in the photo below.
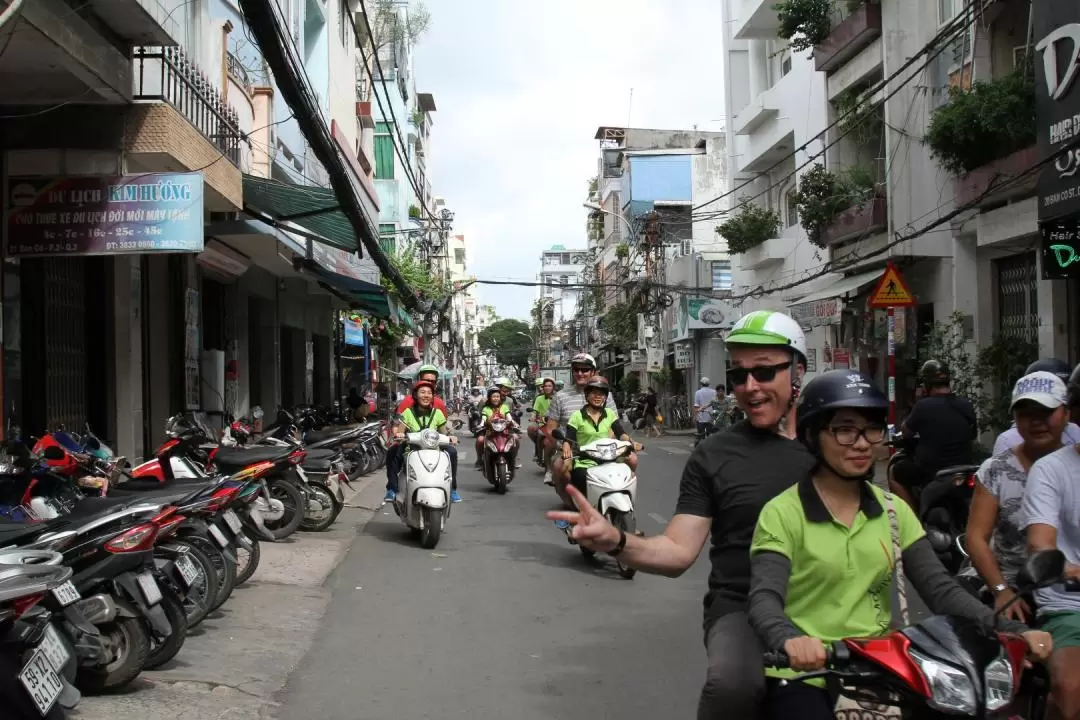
(836, 31)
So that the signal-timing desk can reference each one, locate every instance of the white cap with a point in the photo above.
(1044, 388)
(704, 381)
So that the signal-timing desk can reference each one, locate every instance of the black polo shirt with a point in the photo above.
(729, 478)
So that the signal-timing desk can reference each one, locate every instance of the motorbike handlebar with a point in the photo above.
(778, 659)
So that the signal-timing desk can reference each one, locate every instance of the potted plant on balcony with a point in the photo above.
(858, 117)
(823, 195)
(748, 227)
(804, 23)
(414, 212)
(989, 121)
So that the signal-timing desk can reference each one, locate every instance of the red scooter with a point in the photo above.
(500, 452)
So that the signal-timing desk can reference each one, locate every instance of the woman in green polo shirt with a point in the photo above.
(822, 557)
(421, 415)
(593, 421)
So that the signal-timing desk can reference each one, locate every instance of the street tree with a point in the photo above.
(391, 24)
(511, 343)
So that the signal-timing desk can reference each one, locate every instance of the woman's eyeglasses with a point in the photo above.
(849, 434)
(761, 373)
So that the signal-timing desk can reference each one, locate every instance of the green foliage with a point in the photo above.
(987, 122)
(510, 348)
(594, 185)
(620, 323)
(823, 195)
(418, 275)
(622, 251)
(386, 337)
(389, 25)
(804, 23)
(749, 226)
(414, 212)
(860, 120)
(985, 377)
(630, 384)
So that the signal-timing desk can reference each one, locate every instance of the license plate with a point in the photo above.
(232, 521)
(188, 569)
(151, 591)
(41, 681)
(66, 594)
(219, 537)
(54, 649)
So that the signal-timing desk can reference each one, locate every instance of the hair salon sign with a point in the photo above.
(1056, 26)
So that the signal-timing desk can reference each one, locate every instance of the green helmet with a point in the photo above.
(767, 327)
(427, 369)
(503, 382)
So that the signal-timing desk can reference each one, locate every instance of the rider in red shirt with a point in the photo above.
(426, 373)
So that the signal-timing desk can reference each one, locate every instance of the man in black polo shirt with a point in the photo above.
(726, 482)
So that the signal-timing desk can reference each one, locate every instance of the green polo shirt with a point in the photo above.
(540, 405)
(841, 577)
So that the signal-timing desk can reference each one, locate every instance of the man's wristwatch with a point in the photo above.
(1000, 588)
(622, 544)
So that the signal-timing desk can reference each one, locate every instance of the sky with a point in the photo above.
(521, 88)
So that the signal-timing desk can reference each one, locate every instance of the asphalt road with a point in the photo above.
(504, 618)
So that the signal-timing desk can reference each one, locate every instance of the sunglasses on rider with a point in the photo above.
(761, 373)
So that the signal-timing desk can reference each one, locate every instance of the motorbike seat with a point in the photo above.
(12, 533)
(91, 506)
(956, 470)
(235, 459)
(318, 436)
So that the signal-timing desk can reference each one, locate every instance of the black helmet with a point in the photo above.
(492, 390)
(832, 391)
(934, 373)
(598, 383)
(1050, 365)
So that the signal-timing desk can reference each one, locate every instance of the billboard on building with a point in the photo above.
(1056, 27)
(148, 213)
(709, 314)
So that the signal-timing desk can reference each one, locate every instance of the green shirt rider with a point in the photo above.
(422, 415)
(592, 422)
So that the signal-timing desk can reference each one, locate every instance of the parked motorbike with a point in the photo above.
(425, 481)
(500, 453)
(32, 657)
(940, 667)
(611, 487)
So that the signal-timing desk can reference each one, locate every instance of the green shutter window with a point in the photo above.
(387, 235)
(384, 157)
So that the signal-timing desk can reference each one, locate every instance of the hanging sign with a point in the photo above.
(891, 290)
(1055, 26)
(683, 357)
(1061, 249)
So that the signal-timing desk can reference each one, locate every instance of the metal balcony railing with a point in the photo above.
(238, 71)
(168, 75)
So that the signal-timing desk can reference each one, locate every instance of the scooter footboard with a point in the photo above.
(430, 497)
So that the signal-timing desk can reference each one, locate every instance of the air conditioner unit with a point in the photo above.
(686, 247)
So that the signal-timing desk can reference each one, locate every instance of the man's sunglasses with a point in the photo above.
(582, 369)
(761, 373)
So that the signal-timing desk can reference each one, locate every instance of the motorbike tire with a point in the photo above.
(328, 513)
(290, 495)
(245, 570)
(628, 524)
(197, 610)
(133, 639)
(429, 536)
(163, 652)
(502, 478)
(224, 568)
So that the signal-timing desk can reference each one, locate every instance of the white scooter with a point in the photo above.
(423, 500)
(611, 487)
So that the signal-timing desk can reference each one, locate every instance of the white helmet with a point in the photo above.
(768, 327)
(583, 359)
(704, 381)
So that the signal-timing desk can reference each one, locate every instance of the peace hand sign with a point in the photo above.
(590, 529)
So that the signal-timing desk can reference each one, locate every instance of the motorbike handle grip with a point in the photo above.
(778, 659)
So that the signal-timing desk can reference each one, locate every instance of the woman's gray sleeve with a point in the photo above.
(943, 595)
(769, 574)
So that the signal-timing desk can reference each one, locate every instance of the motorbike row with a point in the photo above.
(104, 567)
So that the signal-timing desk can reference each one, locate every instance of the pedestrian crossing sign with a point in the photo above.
(891, 290)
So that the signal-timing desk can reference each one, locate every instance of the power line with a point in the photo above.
(939, 41)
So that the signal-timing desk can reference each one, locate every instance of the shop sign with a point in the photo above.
(1061, 249)
(1056, 28)
(841, 359)
(148, 213)
(817, 313)
(709, 314)
(354, 330)
(684, 358)
(811, 360)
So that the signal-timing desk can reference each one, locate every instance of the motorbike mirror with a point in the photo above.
(558, 434)
(53, 453)
(93, 443)
(1042, 568)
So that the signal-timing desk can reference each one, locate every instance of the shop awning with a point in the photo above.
(308, 206)
(840, 288)
(367, 296)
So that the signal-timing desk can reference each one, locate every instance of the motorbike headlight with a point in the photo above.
(498, 425)
(606, 452)
(951, 689)
(429, 440)
(998, 681)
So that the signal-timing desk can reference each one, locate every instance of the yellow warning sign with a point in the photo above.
(891, 290)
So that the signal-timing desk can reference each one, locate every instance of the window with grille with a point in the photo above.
(384, 151)
(387, 237)
(721, 274)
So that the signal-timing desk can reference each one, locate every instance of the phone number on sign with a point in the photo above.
(131, 245)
